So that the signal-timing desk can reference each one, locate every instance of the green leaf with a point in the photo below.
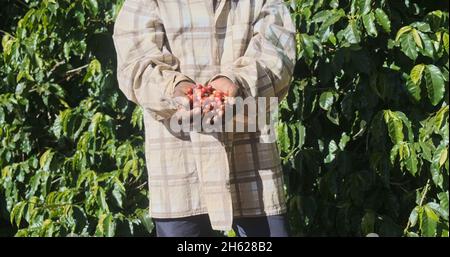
(439, 210)
(147, 221)
(101, 200)
(93, 69)
(47, 228)
(301, 135)
(417, 38)
(321, 16)
(137, 117)
(343, 141)
(306, 45)
(430, 213)
(435, 169)
(435, 83)
(93, 6)
(283, 137)
(443, 158)
(383, 20)
(326, 100)
(395, 126)
(394, 153)
(428, 224)
(412, 162)
(106, 225)
(422, 26)
(414, 90)
(368, 223)
(413, 216)
(80, 16)
(445, 42)
(416, 73)
(352, 33)
(334, 4)
(364, 6)
(369, 24)
(428, 46)
(46, 159)
(109, 225)
(402, 31)
(426, 150)
(334, 17)
(408, 46)
(443, 199)
(118, 192)
(332, 148)
(17, 213)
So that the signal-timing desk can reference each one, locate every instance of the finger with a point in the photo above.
(182, 102)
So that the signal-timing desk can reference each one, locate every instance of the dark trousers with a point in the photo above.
(199, 226)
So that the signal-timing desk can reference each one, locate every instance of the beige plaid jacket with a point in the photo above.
(161, 43)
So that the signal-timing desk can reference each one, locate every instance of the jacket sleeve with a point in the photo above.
(265, 69)
(147, 71)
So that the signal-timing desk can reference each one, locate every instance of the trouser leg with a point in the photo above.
(267, 226)
(192, 226)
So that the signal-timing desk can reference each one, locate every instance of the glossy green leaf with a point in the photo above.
(93, 6)
(428, 45)
(352, 33)
(438, 211)
(408, 46)
(46, 159)
(445, 42)
(414, 89)
(435, 83)
(430, 213)
(369, 24)
(109, 226)
(383, 20)
(435, 169)
(395, 126)
(416, 73)
(364, 6)
(417, 38)
(147, 221)
(414, 216)
(402, 31)
(326, 100)
(331, 19)
(412, 162)
(422, 26)
(428, 224)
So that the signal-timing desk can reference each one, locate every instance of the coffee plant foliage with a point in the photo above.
(363, 132)
(364, 129)
(71, 153)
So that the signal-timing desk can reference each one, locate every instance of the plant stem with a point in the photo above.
(77, 69)
(6, 33)
(424, 193)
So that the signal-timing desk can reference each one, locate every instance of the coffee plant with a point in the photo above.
(363, 132)
(71, 153)
(364, 129)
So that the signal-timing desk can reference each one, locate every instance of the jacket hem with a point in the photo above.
(174, 215)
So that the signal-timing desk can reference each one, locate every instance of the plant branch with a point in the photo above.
(7, 33)
(424, 193)
(77, 69)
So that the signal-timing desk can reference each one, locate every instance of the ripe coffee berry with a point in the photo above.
(206, 97)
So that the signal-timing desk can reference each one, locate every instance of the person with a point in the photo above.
(241, 47)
